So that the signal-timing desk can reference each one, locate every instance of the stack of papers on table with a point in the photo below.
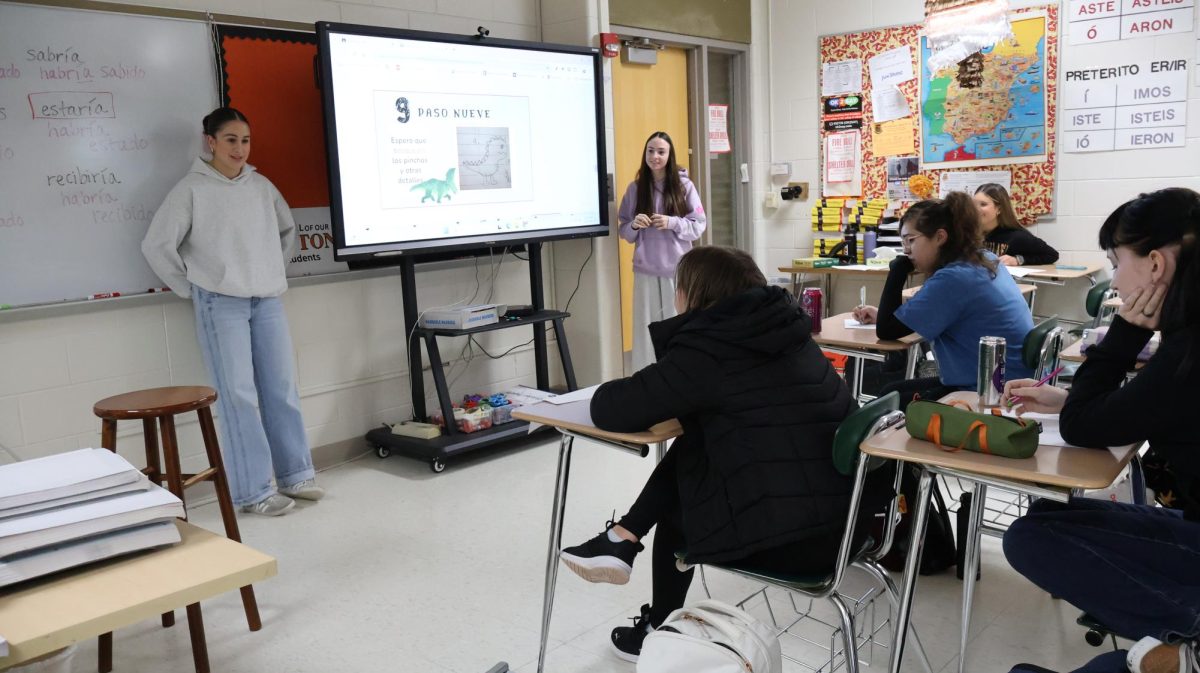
(78, 507)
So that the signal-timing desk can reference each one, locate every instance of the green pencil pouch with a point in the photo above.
(954, 427)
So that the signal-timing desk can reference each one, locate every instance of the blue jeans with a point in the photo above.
(1135, 568)
(248, 353)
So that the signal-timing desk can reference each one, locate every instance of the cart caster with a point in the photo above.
(1094, 638)
(382, 451)
(437, 465)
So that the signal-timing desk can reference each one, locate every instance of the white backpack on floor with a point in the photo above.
(711, 637)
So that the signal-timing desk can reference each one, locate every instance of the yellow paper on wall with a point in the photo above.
(893, 138)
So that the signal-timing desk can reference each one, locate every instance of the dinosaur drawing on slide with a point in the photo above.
(436, 190)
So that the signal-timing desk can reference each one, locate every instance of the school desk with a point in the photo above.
(51, 613)
(863, 345)
(1054, 472)
(1051, 274)
(1074, 353)
(574, 420)
(1028, 290)
(826, 274)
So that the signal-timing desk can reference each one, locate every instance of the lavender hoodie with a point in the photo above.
(658, 252)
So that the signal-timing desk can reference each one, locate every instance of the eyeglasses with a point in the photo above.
(907, 241)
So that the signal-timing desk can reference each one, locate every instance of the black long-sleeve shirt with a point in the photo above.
(1019, 243)
(1159, 405)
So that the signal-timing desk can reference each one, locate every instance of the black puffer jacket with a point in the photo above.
(759, 405)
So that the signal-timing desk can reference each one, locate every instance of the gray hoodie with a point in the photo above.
(226, 236)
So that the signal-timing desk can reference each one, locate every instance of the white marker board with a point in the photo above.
(99, 117)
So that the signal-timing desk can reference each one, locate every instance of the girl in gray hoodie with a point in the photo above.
(221, 237)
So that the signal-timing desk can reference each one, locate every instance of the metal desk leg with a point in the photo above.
(556, 520)
(857, 380)
(827, 282)
(971, 561)
(660, 451)
(1032, 298)
(912, 565)
(910, 366)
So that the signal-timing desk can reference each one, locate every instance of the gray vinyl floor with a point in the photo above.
(399, 569)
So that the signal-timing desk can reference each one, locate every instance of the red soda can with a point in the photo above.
(810, 301)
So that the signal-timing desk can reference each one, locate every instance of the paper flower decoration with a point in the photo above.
(920, 186)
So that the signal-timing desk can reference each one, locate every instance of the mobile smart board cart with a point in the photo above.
(454, 442)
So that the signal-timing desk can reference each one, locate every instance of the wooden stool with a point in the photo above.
(162, 404)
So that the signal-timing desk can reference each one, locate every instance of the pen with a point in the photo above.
(1043, 382)
(104, 295)
(1071, 267)
(862, 295)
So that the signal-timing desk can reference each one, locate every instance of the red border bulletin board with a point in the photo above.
(268, 75)
(1033, 183)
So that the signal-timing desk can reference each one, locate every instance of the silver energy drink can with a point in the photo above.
(989, 379)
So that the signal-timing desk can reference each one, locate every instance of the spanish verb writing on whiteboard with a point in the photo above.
(104, 295)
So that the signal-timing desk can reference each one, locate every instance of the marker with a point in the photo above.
(5, 307)
(158, 289)
(1071, 267)
(104, 295)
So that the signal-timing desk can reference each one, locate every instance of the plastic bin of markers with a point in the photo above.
(475, 420)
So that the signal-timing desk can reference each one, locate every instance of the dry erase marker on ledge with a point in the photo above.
(158, 289)
(104, 295)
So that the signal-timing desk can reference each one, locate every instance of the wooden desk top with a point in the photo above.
(1114, 302)
(1025, 288)
(48, 614)
(855, 269)
(1050, 272)
(577, 417)
(1062, 466)
(1073, 353)
(835, 333)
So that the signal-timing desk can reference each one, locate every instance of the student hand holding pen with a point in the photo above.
(1028, 395)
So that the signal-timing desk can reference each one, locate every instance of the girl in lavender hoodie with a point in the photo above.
(661, 215)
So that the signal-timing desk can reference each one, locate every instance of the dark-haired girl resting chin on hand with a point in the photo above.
(968, 295)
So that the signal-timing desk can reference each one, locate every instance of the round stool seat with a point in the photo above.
(155, 402)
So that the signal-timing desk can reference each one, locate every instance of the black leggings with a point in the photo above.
(658, 505)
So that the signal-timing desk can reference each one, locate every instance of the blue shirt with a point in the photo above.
(960, 303)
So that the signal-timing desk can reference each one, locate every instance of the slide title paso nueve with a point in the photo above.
(457, 113)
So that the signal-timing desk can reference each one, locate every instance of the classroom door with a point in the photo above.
(646, 98)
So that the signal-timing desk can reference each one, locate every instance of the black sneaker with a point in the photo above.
(627, 640)
(602, 560)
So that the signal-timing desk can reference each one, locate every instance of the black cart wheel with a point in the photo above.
(383, 451)
(437, 465)
(1094, 638)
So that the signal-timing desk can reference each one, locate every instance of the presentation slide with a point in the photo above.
(440, 141)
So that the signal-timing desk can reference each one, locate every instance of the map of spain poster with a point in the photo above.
(990, 108)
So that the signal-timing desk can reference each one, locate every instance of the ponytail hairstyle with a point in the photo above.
(1151, 221)
(710, 273)
(217, 119)
(674, 201)
(959, 217)
(1006, 217)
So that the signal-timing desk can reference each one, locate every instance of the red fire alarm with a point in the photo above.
(610, 45)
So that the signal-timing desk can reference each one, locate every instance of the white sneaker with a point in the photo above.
(273, 505)
(305, 490)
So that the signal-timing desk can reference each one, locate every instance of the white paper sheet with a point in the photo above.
(581, 394)
(841, 77)
(889, 103)
(1022, 271)
(851, 323)
(891, 67)
(969, 181)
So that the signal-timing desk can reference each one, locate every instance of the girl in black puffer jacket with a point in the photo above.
(752, 478)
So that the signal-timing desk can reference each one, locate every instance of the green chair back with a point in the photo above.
(854, 430)
(1031, 351)
(1095, 297)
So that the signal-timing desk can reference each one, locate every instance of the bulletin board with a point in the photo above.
(1032, 183)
